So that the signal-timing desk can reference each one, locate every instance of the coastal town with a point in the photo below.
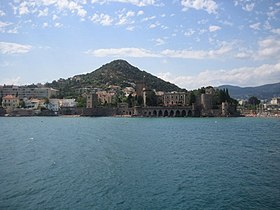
(136, 100)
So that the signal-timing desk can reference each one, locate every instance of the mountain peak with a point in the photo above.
(118, 72)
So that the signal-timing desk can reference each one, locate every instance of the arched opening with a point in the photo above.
(154, 113)
(189, 113)
(165, 113)
(171, 113)
(160, 113)
(177, 113)
(184, 113)
(150, 113)
(130, 113)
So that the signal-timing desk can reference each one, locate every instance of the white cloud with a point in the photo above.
(248, 7)
(126, 52)
(154, 25)
(159, 42)
(58, 25)
(245, 76)
(276, 31)
(23, 8)
(209, 6)
(102, 19)
(45, 25)
(189, 32)
(139, 3)
(2, 13)
(130, 28)
(268, 48)
(214, 28)
(3, 26)
(183, 54)
(198, 54)
(244, 54)
(32, 6)
(122, 52)
(255, 26)
(11, 81)
(14, 48)
(43, 12)
(148, 18)
(125, 17)
(54, 17)
(141, 12)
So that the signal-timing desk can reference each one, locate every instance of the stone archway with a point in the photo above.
(155, 113)
(171, 113)
(165, 114)
(184, 113)
(189, 113)
(160, 113)
(177, 113)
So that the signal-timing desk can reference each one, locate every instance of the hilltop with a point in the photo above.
(117, 72)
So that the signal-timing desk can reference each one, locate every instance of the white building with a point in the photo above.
(22, 92)
(275, 101)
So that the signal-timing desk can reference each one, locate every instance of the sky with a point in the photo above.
(191, 43)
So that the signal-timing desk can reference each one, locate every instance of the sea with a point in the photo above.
(139, 163)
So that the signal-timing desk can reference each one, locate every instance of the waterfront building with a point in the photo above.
(10, 102)
(175, 99)
(92, 100)
(275, 101)
(22, 92)
(32, 103)
(105, 97)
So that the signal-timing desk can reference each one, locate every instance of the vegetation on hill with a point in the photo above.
(118, 72)
(262, 92)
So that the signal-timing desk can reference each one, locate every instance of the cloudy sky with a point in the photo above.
(191, 43)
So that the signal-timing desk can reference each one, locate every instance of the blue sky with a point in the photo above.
(192, 43)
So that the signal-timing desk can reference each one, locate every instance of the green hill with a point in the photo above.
(267, 91)
(118, 72)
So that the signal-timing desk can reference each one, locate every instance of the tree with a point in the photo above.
(151, 98)
(254, 101)
(192, 98)
(22, 104)
(81, 101)
(139, 100)
(130, 100)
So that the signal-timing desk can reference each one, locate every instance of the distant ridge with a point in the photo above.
(263, 92)
(117, 72)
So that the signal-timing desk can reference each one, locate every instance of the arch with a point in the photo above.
(154, 113)
(177, 113)
(189, 113)
(160, 113)
(171, 113)
(165, 114)
(184, 113)
(150, 113)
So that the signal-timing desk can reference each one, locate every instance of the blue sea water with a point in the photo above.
(139, 163)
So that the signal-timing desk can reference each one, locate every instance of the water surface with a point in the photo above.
(139, 163)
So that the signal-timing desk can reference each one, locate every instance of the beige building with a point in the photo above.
(175, 99)
(22, 92)
(10, 102)
(105, 97)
